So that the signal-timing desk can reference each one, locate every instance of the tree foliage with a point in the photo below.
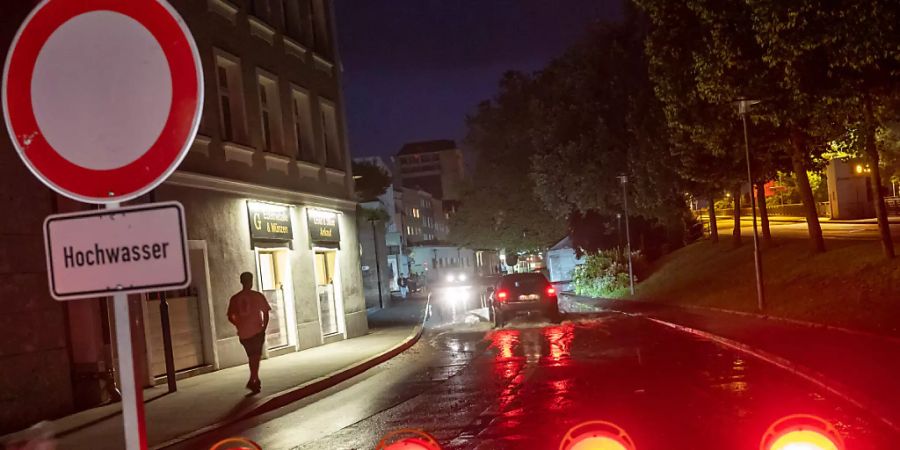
(843, 56)
(499, 208)
(371, 180)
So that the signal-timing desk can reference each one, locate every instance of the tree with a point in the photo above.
(839, 52)
(499, 208)
(731, 64)
(600, 119)
(706, 137)
(371, 180)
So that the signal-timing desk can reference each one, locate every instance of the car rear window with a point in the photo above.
(524, 281)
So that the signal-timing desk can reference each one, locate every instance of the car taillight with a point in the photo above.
(802, 431)
(551, 291)
(502, 295)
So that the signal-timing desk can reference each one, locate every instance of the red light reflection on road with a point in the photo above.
(505, 341)
(559, 340)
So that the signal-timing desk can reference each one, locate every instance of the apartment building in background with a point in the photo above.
(271, 150)
(436, 167)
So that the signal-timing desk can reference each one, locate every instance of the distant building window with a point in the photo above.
(415, 213)
(228, 85)
(270, 113)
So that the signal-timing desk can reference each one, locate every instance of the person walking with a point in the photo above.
(248, 311)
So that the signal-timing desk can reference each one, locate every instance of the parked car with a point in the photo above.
(523, 293)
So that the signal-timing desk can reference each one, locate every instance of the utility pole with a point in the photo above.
(164, 320)
(624, 180)
(377, 263)
(743, 110)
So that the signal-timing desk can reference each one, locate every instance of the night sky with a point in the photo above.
(413, 69)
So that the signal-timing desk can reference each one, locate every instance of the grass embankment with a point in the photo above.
(851, 285)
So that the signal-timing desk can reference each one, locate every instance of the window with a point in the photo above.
(228, 85)
(263, 10)
(302, 125)
(319, 25)
(409, 230)
(269, 113)
(415, 213)
(333, 154)
(291, 11)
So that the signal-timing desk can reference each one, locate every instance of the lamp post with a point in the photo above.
(619, 231)
(624, 180)
(743, 110)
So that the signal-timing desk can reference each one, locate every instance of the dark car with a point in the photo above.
(523, 293)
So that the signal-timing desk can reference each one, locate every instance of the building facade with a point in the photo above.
(436, 167)
(267, 189)
(423, 218)
(849, 189)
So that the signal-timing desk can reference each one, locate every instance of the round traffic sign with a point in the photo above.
(102, 98)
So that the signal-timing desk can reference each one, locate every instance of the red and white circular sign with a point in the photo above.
(102, 98)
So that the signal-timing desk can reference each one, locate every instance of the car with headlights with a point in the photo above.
(451, 290)
(523, 293)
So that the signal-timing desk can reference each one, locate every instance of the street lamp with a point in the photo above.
(743, 110)
(624, 180)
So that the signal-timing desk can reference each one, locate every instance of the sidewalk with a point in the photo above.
(209, 401)
(862, 368)
(796, 219)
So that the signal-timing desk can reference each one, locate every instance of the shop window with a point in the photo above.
(228, 87)
(267, 271)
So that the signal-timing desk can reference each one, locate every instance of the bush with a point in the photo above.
(605, 273)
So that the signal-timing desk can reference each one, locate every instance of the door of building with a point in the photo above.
(272, 278)
(329, 313)
(185, 326)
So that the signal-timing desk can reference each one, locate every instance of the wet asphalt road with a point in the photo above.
(524, 386)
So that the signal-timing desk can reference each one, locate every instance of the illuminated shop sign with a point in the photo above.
(270, 221)
(323, 227)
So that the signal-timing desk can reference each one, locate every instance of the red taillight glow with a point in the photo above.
(502, 295)
(413, 440)
(551, 291)
(596, 435)
(235, 443)
(802, 432)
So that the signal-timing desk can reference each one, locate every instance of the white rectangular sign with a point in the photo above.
(127, 250)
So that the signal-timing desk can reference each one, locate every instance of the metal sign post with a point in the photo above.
(132, 397)
(102, 100)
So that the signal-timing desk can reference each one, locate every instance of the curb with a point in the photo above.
(803, 323)
(283, 398)
(816, 378)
